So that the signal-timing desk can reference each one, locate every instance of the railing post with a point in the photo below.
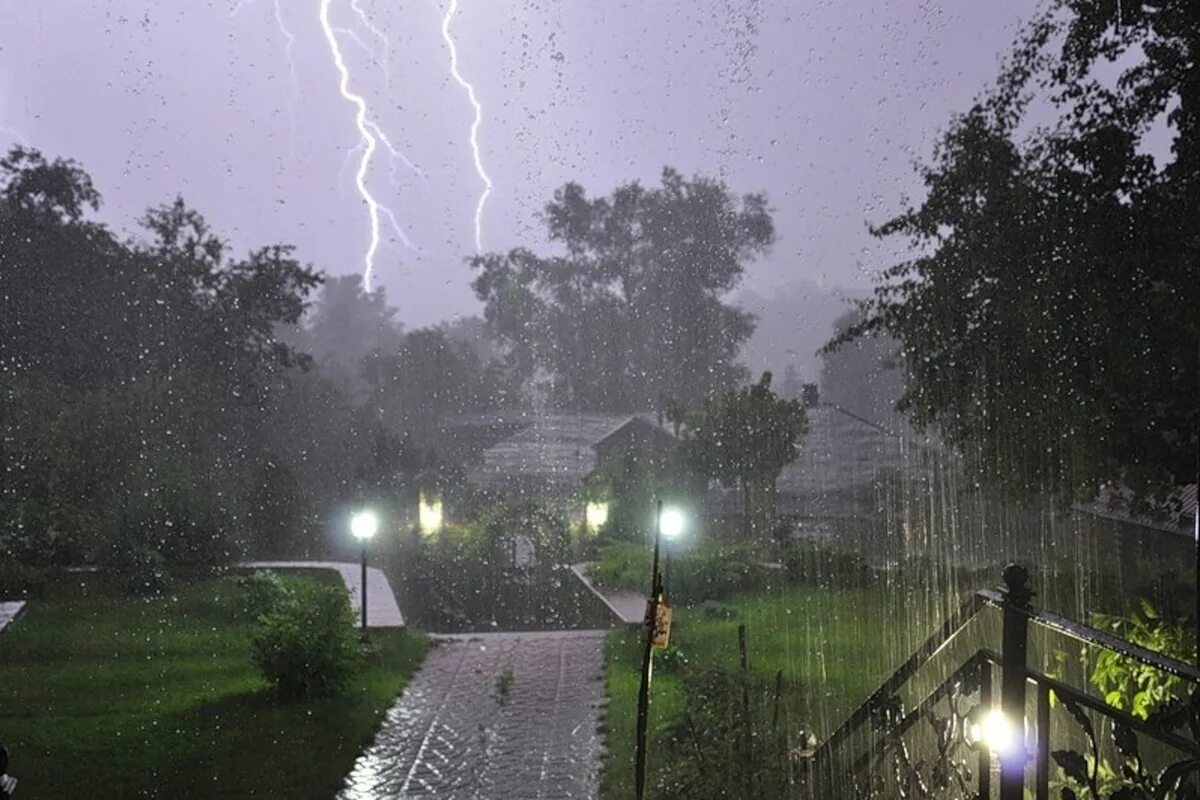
(1017, 595)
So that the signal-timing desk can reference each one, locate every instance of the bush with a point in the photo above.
(19, 581)
(262, 592)
(306, 645)
(813, 564)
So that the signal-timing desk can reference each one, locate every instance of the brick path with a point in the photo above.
(453, 736)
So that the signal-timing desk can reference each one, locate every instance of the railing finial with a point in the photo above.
(1016, 585)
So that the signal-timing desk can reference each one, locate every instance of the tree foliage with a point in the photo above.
(135, 375)
(745, 437)
(1048, 317)
(630, 311)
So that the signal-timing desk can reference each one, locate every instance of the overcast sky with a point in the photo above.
(824, 106)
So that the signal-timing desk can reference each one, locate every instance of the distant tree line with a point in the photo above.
(166, 400)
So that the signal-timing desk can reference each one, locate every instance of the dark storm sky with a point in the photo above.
(824, 106)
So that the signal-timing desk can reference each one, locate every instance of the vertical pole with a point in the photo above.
(364, 588)
(643, 709)
(747, 732)
(1042, 790)
(985, 754)
(1012, 678)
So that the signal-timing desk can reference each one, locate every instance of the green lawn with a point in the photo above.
(833, 646)
(104, 695)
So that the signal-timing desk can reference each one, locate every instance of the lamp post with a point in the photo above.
(671, 521)
(363, 525)
(643, 708)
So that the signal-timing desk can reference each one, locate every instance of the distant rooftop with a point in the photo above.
(841, 455)
(552, 451)
(1177, 516)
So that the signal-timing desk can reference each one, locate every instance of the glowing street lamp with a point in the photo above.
(363, 526)
(671, 522)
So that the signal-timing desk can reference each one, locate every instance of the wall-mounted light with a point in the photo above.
(429, 514)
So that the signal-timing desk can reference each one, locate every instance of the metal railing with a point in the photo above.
(875, 752)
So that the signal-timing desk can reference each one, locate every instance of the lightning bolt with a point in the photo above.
(385, 61)
(451, 10)
(369, 140)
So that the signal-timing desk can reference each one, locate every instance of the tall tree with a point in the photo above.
(631, 311)
(347, 324)
(1049, 320)
(134, 373)
(744, 438)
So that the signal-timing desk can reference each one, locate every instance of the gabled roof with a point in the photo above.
(645, 423)
(554, 449)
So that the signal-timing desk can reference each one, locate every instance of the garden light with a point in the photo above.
(994, 731)
(596, 514)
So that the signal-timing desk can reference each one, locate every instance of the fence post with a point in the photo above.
(1017, 595)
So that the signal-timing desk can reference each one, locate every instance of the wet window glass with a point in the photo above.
(717, 399)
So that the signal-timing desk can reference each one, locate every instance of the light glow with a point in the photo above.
(364, 525)
(595, 515)
(671, 522)
(994, 731)
(429, 514)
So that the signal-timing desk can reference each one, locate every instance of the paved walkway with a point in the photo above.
(382, 611)
(501, 716)
(9, 612)
(626, 605)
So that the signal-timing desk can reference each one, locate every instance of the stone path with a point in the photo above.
(382, 611)
(9, 611)
(626, 605)
(502, 716)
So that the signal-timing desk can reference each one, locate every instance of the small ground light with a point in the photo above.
(994, 731)
(671, 522)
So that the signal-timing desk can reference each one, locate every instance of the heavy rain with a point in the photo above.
(671, 400)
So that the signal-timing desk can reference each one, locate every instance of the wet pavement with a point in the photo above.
(493, 716)
(627, 606)
(9, 612)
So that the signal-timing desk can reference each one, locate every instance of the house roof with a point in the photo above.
(841, 455)
(552, 450)
(1178, 514)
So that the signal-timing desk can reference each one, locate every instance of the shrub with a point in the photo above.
(262, 592)
(1131, 685)
(18, 581)
(306, 645)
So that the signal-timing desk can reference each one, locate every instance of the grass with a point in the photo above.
(105, 694)
(833, 646)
